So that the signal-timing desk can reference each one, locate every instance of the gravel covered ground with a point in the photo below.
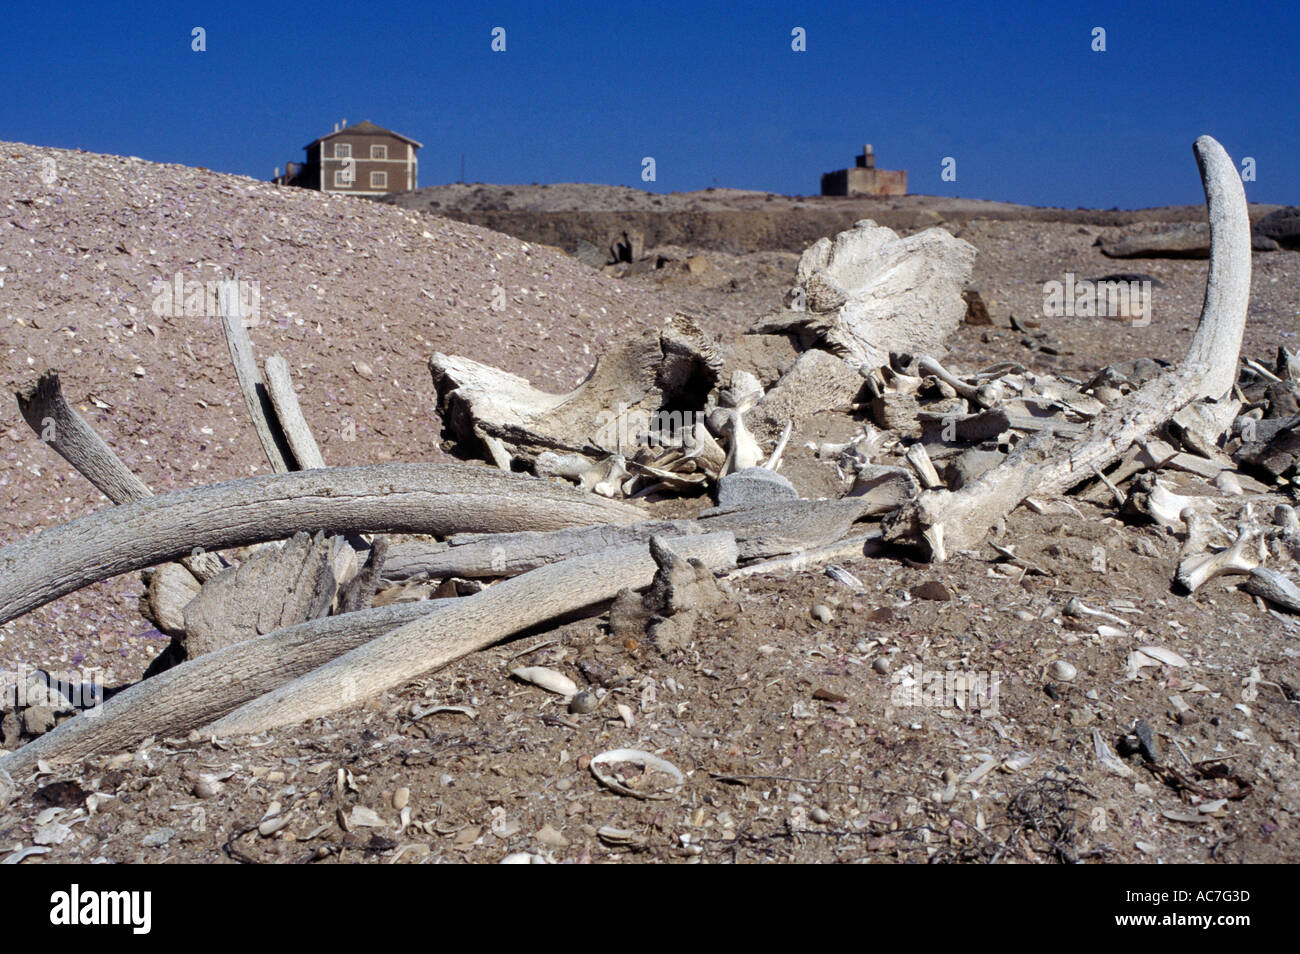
(783, 710)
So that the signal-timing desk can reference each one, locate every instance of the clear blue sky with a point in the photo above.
(714, 92)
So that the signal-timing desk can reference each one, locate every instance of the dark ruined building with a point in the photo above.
(865, 179)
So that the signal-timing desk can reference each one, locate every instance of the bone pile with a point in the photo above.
(311, 607)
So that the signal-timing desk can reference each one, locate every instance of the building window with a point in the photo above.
(379, 180)
(343, 150)
(343, 179)
(378, 152)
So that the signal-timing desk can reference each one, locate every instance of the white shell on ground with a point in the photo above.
(547, 679)
(652, 765)
(1161, 655)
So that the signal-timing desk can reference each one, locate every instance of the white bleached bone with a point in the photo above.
(826, 449)
(900, 382)
(1229, 484)
(1147, 656)
(547, 679)
(774, 461)
(919, 458)
(886, 488)
(984, 395)
(1153, 499)
(1109, 760)
(1246, 553)
(568, 466)
(1044, 465)
(870, 292)
(1078, 608)
(864, 448)
(701, 447)
(1284, 536)
(742, 449)
(744, 393)
(607, 476)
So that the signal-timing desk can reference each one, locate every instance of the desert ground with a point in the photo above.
(778, 706)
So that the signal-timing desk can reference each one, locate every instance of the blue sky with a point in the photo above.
(1012, 91)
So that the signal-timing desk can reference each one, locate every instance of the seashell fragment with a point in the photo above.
(619, 836)
(547, 679)
(841, 575)
(16, 857)
(657, 777)
(1063, 671)
(1161, 655)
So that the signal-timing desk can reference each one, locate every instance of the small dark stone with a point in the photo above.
(1127, 745)
(1281, 401)
(977, 313)
(1147, 744)
(1283, 226)
(932, 590)
(829, 695)
(60, 795)
(379, 843)
(1052, 692)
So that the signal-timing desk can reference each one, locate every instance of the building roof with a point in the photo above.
(365, 126)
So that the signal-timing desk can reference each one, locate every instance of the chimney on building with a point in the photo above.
(868, 158)
(345, 123)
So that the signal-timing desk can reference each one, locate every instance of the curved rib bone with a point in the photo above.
(385, 498)
(1044, 465)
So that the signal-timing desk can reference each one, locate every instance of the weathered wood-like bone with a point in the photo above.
(1043, 465)
(869, 291)
(279, 385)
(1274, 587)
(200, 690)
(48, 413)
(251, 384)
(674, 367)
(58, 424)
(1152, 499)
(390, 498)
(468, 624)
(204, 689)
(984, 395)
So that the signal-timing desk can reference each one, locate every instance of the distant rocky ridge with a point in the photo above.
(737, 221)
